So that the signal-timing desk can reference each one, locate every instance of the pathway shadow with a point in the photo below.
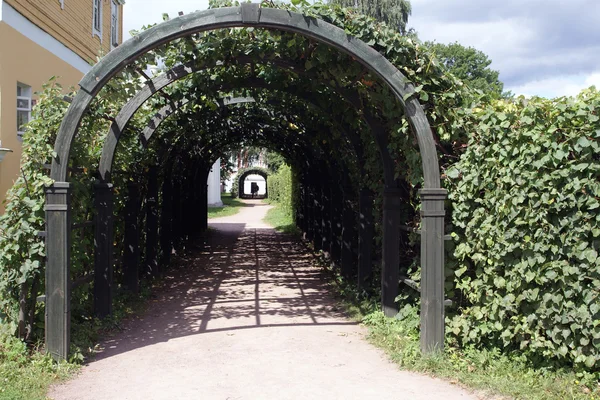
(242, 279)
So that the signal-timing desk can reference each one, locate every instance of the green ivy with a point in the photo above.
(526, 199)
(280, 186)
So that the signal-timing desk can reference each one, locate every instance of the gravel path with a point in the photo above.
(247, 318)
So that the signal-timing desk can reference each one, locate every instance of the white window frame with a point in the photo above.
(97, 10)
(114, 24)
(26, 96)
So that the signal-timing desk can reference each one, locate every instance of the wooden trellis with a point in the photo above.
(317, 203)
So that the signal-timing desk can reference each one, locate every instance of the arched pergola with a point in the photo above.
(58, 209)
(247, 172)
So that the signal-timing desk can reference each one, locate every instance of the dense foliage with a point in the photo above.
(280, 188)
(523, 175)
(393, 12)
(470, 65)
(526, 199)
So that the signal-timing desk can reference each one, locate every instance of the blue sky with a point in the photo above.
(541, 47)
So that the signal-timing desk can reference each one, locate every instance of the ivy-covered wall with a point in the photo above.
(525, 198)
(280, 188)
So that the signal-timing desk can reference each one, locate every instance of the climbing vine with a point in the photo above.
(523, 175)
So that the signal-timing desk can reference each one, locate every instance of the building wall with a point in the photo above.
(40, 39)
(214, 185)
(32, 65)
(71, 25)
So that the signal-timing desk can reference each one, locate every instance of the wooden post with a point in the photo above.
(432, 269)
(310, 212)
(300, 208)
(365, 238)
(391, 251)
(103, 249)
(325, 217)
(166, 245)
(131, 252)
(318, 215)
(203, 201)
(177, 214)
(152, 267)
(58, 259)
(336, 228)
(348, 225)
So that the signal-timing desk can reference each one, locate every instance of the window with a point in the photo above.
(97, 19)
(23, 107)
(114, 24)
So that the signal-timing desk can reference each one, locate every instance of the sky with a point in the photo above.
(544, 48)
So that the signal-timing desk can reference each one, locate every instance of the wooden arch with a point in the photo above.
(58, 211)
(252, 171)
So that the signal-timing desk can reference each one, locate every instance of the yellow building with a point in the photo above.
(40, 39)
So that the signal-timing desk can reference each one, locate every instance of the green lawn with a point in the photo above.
(230, 207)
(280, 220)
(26, 374)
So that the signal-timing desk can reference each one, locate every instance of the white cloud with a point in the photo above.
(541, 47)
(568, 85)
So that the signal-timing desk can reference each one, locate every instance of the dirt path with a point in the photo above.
(248, 318)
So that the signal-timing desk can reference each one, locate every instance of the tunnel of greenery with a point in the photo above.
(237, 190)
(366, 130)
(345, 118)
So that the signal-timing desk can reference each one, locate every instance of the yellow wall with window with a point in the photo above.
(23, 61)
(72, 25)
(40, 39)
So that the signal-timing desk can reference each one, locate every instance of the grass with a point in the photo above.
(280, 219)
(27, 374)
(230, 207)
(486, 371)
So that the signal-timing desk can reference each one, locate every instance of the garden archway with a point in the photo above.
(251, 171)
(58, 210)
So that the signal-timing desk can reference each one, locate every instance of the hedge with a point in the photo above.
(280, 188)
(525, 198)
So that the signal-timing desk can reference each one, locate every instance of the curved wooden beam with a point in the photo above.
(247, 15)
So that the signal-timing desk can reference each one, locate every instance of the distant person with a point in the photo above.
(253, 188)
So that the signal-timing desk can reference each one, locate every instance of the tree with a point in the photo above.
(392, 12)
(274, 161)
(470, 65)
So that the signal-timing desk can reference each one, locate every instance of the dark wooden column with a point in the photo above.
(318, 215)
(365, 237)
(131, 251)
(432, 269)
(325, 216)
(103, 249)
(390, 274)
(336, 221)
(310, 212)
(58, 262)
(203, 201)
(151, 262)
(305, 221)
(300, 208)
(348, 231)
(166, 242)
(177, 214)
